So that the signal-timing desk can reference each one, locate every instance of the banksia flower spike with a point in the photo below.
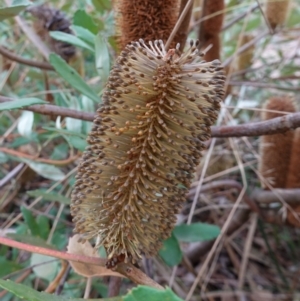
(277, 11)
(146, 141)
(275, 150)
(149, 19)
(293, 177)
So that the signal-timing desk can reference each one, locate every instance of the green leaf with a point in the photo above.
(70, 75)
(13, 10)
(20, 103)
(102, 5)
(84, 34)
(25, 292)
(196, 232)
(30, 240)
(45, 170)
(30, 221)
(142, 293)
(102, 57)
(44, 227)
(45, 270)
(81, 18)
(49, 196)
(8, 266)
(78, 143)
(64, 132)
(70, 38)
(171, 252)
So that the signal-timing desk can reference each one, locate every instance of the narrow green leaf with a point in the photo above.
(13, 10)
(44, 227)
(102, 5)
(142, 293)
(171, 252)
(70, 38)
(64, 132)
(45, 170)
(29, 294)
(78, 143)
(30, 240)
(70, 75)
(84, 34)
(196, 232)
(30, 221)
(8, 266)
(20, 103)
(49, 196)
(81, 18)
(102, 57)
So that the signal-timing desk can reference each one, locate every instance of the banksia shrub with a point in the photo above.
(275, 149)
(293, 178)
(244, 60)
(51, 19)
(149, 19)
(277, 11)
(144, 147)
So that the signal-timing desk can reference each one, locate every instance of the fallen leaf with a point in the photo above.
(85, 269)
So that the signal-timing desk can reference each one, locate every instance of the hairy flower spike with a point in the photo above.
(146, 141)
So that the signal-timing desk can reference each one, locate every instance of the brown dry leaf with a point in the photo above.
(84, 269)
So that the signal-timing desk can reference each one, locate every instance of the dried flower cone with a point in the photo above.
(275, 150)
(212, 26)
(244, 60)
(145, 144)
(293, 216)
(149, 19)
(51, 19)
(277, 11)
(293, 178)
(214, 52)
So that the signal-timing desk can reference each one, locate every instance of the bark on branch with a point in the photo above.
(269, 127)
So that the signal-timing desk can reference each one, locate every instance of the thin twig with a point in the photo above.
(13, 57)
(11, 174)
(52, 110)
(126, 269)
(244, 48)
(262, 85)
(290, 196)
(114, 286)
(238, 18)
(41, 160)
(269, 127)
(265, 18)
(182, 32)
(33, 37)
(88, 287)
(178, 23)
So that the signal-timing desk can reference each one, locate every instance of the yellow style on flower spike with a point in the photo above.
(145, 144)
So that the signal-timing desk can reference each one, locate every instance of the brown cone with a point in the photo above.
(277, 11)
(293, 179)
(275, 150)
(147, 19)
